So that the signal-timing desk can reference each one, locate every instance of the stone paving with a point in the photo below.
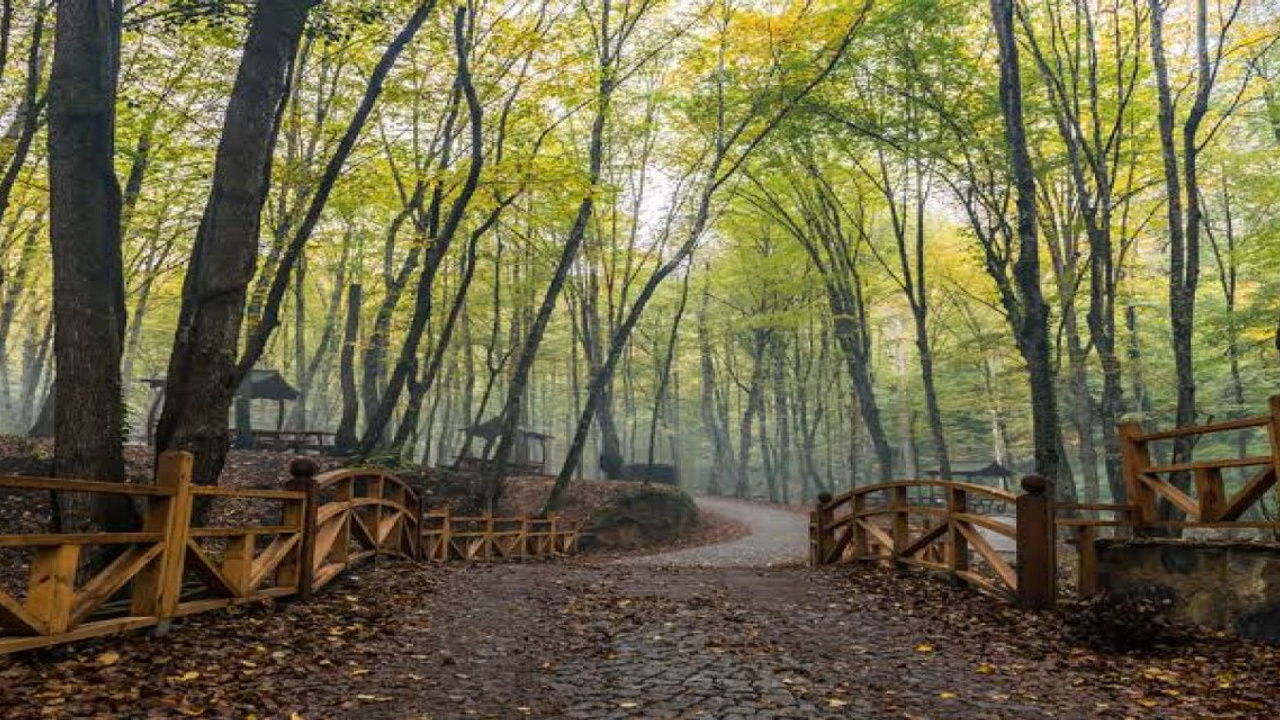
(778, 537)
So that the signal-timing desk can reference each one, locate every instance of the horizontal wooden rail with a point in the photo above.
(1225, 426)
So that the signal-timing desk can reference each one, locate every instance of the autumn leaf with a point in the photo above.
(108, 658)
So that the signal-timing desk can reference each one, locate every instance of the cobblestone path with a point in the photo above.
(729, 632)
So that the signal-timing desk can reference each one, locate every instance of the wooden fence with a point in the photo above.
(86, 584)
(448, 537)
(933, 523)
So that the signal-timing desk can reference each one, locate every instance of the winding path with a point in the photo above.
(777, 537)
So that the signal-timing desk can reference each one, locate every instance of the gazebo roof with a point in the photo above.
(492, 428)
(266, 385)
(976, 469)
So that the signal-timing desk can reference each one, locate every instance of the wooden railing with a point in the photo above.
(933, 523)
(447, 537)
(907, 523)
(1205, 502)
(86, 584)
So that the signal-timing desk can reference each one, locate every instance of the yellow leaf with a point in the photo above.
(924, 648)
(1147, 702)
(985, 669)
(108, 658)
(187, 676)
(946, 695)
(359, 671)
(294, 716)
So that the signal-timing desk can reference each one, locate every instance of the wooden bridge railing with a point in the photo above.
(80, 585)
(448, 537)
(903, 522)
(1205, 501)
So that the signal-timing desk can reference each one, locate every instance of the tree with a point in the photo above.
(88, 277)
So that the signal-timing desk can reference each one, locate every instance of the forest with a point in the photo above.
(786, 247)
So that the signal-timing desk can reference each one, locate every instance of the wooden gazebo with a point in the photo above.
(267, 385)
(528, 457)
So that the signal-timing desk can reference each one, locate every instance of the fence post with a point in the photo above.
(446, 536)
(901, 522)
(1136, 457)
(957, 544)
(523, 543)
(1273, 431)
(1087, 555)
(302, 478)
(818, 531)
(1037, 562)
(173, 471)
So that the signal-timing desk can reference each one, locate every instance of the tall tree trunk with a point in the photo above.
(345, 438)
(88, 273)
(1032, 328)
(203, 374)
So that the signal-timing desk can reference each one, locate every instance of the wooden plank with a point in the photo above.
(208, 571)
(920, 543)
(1241, 424)
(326, 537)
(173, 473)
(1210, 493)
(270, 559)
(247, 493)
(1167, 491)
(237, 563)
(1202, 464)
(990, 523)
(53, 540)
(15, 618)
(877, 533)
(1254, 489)
(1036, 582)
(18, 482)
(1135, 456)
(52, 591)
(110, 579)
(233, 532)
(84, 632)
(989, 554)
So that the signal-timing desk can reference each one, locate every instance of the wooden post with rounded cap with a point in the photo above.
(1037, 562)
(303, 471)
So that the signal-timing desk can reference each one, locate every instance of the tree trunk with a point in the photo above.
(88, 273)
(203, 374)
(345, 438)
(1032, 323)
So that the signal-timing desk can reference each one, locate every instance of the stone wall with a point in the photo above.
(1230, 586)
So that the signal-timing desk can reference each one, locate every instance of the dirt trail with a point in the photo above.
(777, 537)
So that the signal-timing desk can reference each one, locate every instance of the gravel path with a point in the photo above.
(778, 537)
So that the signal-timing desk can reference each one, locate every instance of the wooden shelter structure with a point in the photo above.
(265, 384)
(528, 457)
(993, 473)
